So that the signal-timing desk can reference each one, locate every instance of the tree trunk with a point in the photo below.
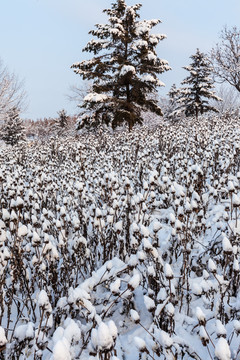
(196, 113)
(130, 125)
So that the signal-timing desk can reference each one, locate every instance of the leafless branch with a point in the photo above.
(226, 57)
(12, 93)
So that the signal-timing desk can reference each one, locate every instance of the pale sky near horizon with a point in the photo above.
(41, 39)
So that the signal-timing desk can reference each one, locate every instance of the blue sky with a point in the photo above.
(41, 39)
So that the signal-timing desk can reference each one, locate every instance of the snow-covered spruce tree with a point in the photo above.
(198, 90)
(174, 108)
(123, 70)
(12, 131)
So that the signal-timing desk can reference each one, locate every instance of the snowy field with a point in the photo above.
(122, 246)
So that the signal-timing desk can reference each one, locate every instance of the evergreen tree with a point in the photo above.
(123, 70)
(60, 123)
(199, 87)
(13, 130)
(174, 106)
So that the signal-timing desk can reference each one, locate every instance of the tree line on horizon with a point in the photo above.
(124, 76)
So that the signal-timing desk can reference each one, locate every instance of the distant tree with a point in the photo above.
(29, 127)
(174, 108)
(123, 70)
(62, 118)
(60, 123)
(198, 91)
(226, 57)
(230, 103)
(12, 131)
(12, 94)
(44, 128)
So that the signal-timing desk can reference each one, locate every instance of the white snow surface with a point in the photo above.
(22, 230)
(134, 281)
(200, 314)
(94, 97)
(43, 299)
(168, 271)
(125, 69)
(61, 350)
(104, 336)
(3, 339)
(140, 343)
(222, 351)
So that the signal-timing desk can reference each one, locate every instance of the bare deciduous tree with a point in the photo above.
(12, 94)
(226, 57)
(78, 93)
(230, 100)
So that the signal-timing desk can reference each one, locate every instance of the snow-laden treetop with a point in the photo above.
(125, 67)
